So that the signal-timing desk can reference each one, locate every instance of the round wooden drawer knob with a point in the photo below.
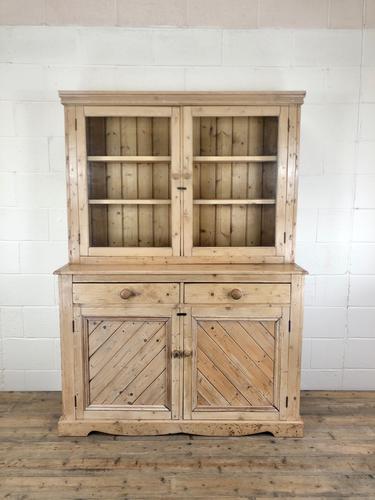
(236, 294)
(126, 293)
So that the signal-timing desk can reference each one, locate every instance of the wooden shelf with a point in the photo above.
(129, 202)
(129, 159)
(232, 159)
(235, 202)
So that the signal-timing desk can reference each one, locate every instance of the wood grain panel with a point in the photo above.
(136, 293)
(254, 182)
(125, 365)
(207, 181)
(129, 181)
(221, 293)
(239, 180)
(224, 181)
(145, 185)
(228, 367)
(117, 137)
(161, 181)
(232, 369)
(96, 140)
(114, 182)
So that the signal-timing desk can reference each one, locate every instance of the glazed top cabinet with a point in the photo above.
(179, 177)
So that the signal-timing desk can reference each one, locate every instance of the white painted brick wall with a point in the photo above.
(336, 219)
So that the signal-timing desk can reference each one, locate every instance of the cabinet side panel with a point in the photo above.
(67, 348)
(292, 182)
(72, 182)
(295, 347)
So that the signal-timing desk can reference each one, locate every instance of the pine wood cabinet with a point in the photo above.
(181, 305)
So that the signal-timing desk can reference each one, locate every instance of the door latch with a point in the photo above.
(181, 354)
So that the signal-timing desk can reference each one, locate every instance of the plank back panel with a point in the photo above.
(129, 181)
(97, 178)
(234, 225)
(130, 225)
(207, 181)
(161, 182)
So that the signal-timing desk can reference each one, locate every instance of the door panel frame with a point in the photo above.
(81, 363)
(173, 113)
(280, 315)
(188, 112)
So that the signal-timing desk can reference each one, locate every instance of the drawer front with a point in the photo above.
(239, 293)
(125, 293)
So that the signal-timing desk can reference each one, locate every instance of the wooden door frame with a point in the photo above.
(81, 359)
(173, 113)
(279, 314)
(188, 113)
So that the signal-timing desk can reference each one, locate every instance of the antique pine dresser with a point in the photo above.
(181, 305)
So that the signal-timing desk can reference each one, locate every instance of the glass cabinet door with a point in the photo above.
(129, 170)
(237, 159)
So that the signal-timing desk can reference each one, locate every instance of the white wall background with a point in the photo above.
(326, 47)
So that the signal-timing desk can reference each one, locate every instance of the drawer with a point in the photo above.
(125, 293)
(240, 293)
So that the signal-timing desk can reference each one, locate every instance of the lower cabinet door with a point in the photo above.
(235, 362)
(124, 363)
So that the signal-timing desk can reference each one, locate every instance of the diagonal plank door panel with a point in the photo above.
(235, 363)
(128, 362)
(100, 357)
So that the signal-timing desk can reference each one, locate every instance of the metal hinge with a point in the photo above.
(73, 326)
(75, 401)
(75, 124)
(79, 238)
(286, 402)
(288, 124)
(284, 237)
(181, 188)
(181, 314)
(289, 326)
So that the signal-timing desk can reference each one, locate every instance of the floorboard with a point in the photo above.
(335, 459)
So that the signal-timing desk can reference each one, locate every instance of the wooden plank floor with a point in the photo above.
(336, 459)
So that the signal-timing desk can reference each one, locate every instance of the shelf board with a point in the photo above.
(232, 159)
(129, 159)
(235, 202)
(129, 202)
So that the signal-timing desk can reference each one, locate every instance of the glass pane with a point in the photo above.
(130, 225)
(219, 186)
(235, 135)
(129, 180)
(234, 225)
(142, 216)
(128, 136)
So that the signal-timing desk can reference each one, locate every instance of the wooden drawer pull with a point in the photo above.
(126, 293)
(236, 294)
